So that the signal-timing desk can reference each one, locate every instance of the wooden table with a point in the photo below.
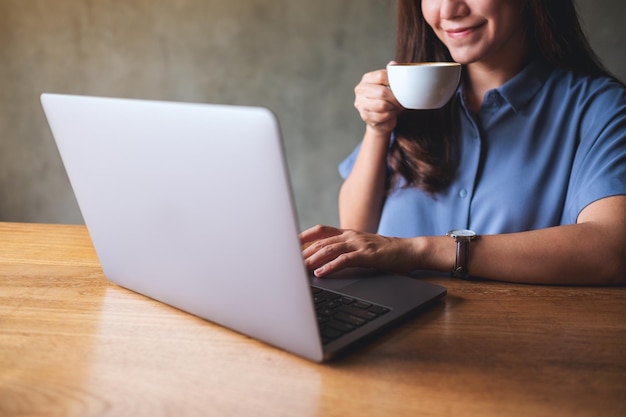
(72, 344)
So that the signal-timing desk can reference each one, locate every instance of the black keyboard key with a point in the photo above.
(331, 295)
(353, 320)
(364, 314)
(347, 300)
(333, 304)
(340, 325)
(378, 310)
(362, 304)
(318, 299)
(326, 312)
(330, 333)
(322, 319)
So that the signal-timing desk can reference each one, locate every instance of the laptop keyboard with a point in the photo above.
(338, 314)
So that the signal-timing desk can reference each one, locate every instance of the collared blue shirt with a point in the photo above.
(542, 147)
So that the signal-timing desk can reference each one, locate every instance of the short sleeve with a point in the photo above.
(599, 168)
(345, 167)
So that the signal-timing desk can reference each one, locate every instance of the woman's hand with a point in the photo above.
(376, 103)
(328, 249)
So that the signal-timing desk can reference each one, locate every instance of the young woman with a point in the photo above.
(530, 154)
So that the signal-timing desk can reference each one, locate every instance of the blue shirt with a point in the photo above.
(543, 146)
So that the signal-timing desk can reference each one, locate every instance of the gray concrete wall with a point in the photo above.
(302, 59)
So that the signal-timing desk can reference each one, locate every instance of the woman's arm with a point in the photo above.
(362, 194)
(590, 252)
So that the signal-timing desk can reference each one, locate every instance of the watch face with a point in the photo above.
(462, 233)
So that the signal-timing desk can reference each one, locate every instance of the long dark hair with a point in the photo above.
(424, 152)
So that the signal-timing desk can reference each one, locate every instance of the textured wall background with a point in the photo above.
(301, 59)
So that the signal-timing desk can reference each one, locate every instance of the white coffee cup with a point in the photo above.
(424, 85)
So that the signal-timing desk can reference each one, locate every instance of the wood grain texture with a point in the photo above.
(73, 344)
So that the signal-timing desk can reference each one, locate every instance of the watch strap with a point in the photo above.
(462, 255)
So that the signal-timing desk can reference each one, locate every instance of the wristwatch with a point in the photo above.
(463, 237)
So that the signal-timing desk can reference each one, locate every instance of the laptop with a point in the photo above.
(191, 204)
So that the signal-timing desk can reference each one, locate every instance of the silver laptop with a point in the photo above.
(191, 204)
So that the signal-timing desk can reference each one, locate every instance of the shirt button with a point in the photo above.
(493, 99)
(463, 193)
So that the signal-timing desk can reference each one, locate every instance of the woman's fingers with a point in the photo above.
(315, 233)
(375, 102)
(331, 250)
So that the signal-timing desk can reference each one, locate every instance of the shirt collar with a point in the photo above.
(520, 89)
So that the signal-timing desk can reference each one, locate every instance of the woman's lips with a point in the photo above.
(461, 32)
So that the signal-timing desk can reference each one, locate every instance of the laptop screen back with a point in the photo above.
(190, 204)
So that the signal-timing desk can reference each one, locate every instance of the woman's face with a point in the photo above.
(486, 31)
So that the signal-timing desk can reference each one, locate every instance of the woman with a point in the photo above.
(530, 154)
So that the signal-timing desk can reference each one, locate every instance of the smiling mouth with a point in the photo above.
(459, 33)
